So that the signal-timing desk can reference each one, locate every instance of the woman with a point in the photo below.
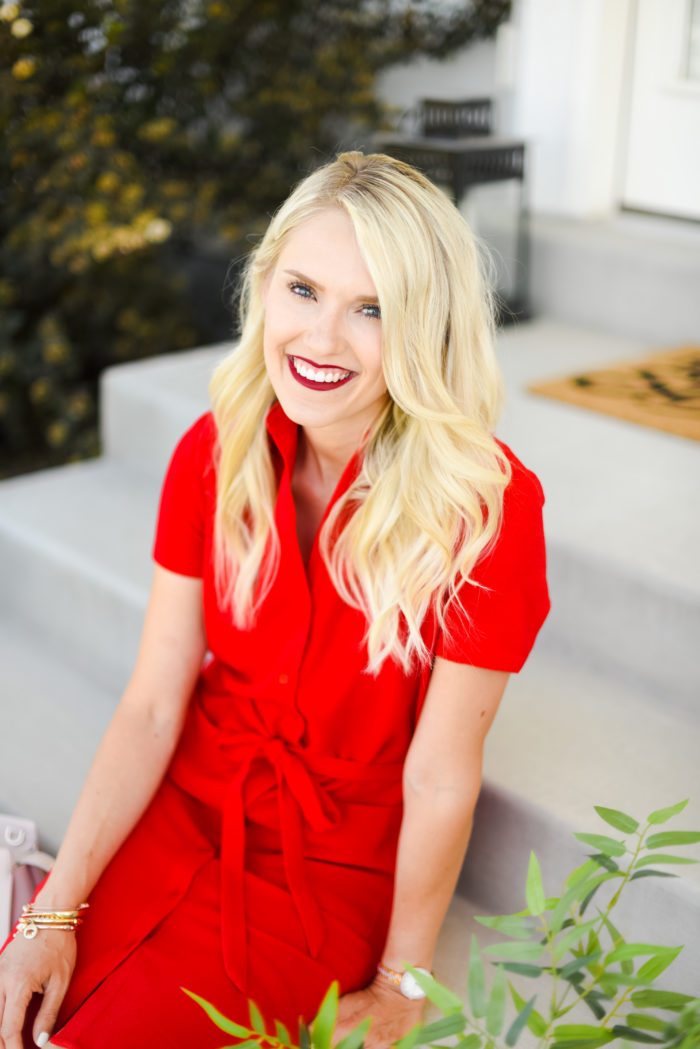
(353, 548)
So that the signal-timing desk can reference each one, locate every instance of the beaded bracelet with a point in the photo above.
(34, 918)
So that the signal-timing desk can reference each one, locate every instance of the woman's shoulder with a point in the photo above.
(194, 452)
(524, 486)
(200, 437)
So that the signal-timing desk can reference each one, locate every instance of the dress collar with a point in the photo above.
(283, 433)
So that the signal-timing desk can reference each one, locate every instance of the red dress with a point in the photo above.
(264, 866)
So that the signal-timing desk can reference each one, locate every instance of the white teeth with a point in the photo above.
(308, 372)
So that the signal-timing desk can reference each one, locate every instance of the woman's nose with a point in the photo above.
(325, 333)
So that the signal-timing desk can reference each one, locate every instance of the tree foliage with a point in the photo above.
(141, 138)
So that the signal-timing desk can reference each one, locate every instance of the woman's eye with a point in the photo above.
(302, 290)
(371, 309)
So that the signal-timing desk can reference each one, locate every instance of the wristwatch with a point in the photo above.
(405, 982)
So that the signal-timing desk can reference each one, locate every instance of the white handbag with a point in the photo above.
(22, 868)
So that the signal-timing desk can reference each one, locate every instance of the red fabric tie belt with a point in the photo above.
(232, 771)
(297, 794)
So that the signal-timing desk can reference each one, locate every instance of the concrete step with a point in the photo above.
(566, 739)
(146, 406)
(623, 502)
(632, 275)
(53, 718)
(74, 549)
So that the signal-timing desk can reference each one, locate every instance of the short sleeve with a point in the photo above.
(494, 625)
(179, 543)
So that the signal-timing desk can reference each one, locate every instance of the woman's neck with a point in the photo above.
(317, 471)
(321, 463)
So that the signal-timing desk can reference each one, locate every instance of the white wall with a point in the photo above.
(568, 100)
(557, 74)
(469, 73)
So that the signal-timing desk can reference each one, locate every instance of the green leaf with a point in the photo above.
(652, 969)
(618, 820)
(218, 1018)
(605, 861)
(283, 1035)
(571, 937)
(661, 815)
(577, 964)
(411, 1039)
(603, 844)
(523, 969)
(584, 903)
(594, 1000)
(580, 874)
(573, 1043)
(443, 1027)
(304, 1037)
(617, 939)
(672, 837)
(646, 1021)
(534, 890)
(651, 998)
(512, 925)
(615, 934)
(256, 1020)
(323, 1024)
(652, 874)
(355, 1038)
(516, 951)
(580, 890)
(535, 1021)
(634, 950)
(469, 1041)
(445, 1000)
(496, 1005)
(609, 981)
(582, 1032)
(661, 857)
(519, 1023)
(632, 1035)
(476, 984)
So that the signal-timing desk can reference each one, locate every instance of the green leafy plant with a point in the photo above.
(568, 943)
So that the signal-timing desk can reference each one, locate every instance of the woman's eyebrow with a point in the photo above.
(371, 299)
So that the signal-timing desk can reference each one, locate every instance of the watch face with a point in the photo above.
(409, 986)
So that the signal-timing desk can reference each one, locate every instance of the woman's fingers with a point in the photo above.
(48, 1011)
(14, 1008)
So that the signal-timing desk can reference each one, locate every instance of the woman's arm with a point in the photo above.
(128, 767)
(442, 778)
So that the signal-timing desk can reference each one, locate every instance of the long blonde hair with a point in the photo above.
(427, 500)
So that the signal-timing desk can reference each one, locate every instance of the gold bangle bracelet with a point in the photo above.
(33, 919)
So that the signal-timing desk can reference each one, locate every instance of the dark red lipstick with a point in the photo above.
(312, 384)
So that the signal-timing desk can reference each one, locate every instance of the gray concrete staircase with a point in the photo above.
(606, 712)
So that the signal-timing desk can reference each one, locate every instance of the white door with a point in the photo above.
(662, 171)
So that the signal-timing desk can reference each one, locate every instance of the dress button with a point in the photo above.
(284, 679)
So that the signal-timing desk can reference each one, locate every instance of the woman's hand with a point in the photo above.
(43, 965)
(393, 1016)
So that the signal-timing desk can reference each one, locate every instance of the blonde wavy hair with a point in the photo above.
(427, 501)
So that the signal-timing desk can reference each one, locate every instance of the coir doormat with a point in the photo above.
(662, 390)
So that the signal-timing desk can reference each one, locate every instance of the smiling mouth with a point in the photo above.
(315, 378)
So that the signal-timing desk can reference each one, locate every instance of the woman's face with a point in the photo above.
(323, 331)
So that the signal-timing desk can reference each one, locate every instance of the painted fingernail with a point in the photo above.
(42, 1039)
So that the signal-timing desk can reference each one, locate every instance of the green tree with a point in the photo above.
(143, 138)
